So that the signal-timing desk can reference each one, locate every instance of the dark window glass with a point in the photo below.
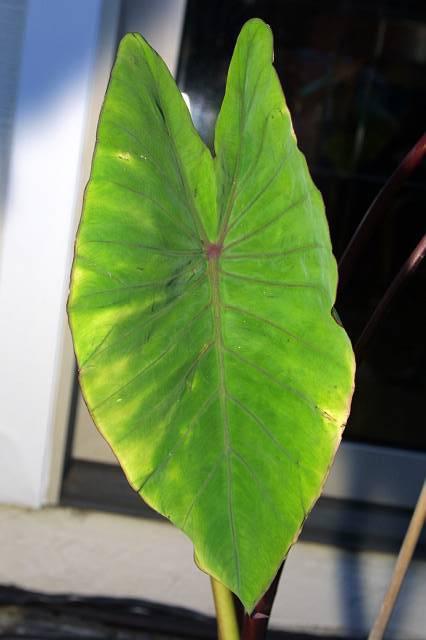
(354, 78)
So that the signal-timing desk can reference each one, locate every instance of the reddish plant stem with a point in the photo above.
(378, 209)
(407, 270)
(256, 624)
(239, 612)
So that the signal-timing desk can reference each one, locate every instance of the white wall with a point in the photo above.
(44, 190)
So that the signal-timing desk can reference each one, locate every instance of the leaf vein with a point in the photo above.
(143, 153)
(272, 283)
(266, 224)
(280, 383)
(265, 492)
(163, 400)
(179, 442)
(137, 245)
(203, 487)
(258, 195)
(156, 314)
(142, 285)
(184, 228)
(218, 338)
(154, 362)
(98, 347)
(273, 254)
(196, 219)
(270, 323)
(260, 423)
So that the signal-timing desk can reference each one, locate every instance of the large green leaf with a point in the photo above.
(201, 310)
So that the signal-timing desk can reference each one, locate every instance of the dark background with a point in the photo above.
(354, 78)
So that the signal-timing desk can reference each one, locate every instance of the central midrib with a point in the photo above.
(214, 280)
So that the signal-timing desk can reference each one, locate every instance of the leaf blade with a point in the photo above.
(201, 311)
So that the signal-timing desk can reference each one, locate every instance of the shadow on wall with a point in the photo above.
(40, 60)
(41, 57)
(12, 26)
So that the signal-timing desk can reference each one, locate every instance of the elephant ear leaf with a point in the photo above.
(201, 311)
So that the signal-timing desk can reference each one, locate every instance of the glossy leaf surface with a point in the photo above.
(200, 307)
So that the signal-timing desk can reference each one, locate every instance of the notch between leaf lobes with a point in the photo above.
(214, 250)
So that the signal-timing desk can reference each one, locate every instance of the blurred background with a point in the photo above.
(353, 72)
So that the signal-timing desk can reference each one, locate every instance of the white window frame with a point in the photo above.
(44, 191)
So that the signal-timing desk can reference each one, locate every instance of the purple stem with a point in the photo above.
(256, 624)
(378, 209)
(239, 612)
(407, 270)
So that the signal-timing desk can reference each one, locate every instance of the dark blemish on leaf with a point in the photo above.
(160, 109)
(327, 415)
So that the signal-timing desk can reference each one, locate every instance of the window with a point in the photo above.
(353, 74)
